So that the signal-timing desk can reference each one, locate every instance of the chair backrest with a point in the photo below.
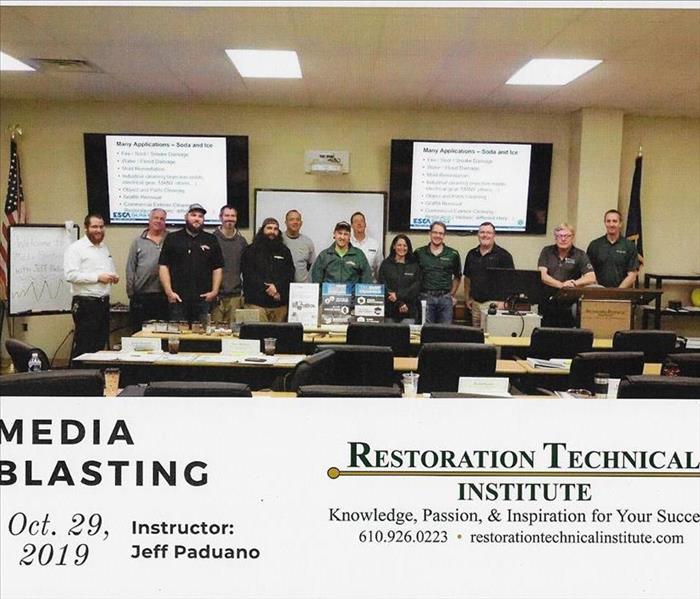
(659, 387)
(362, 364)
(54, 383)
(197, 388)
(656, 345)
(289, 335)
(441, 364)
(689, 363)
(394, 335)
(316, 369)
(555, 342)
(585, 365)
(450, 333)
(21, 352)
(348, 391)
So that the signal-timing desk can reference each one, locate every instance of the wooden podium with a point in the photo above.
(605, 310)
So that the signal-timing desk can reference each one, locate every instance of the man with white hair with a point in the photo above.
(147, 300)
(563, 265)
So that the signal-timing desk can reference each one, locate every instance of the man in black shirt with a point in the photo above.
(478, 290)
(190, 268)
(268, 269)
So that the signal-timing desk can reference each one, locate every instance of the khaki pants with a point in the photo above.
(270, 314)
(476, 311)
(225, 309)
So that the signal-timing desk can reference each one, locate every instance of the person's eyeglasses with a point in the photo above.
(563, 236)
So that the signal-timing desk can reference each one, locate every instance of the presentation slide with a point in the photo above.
(279, 498)
(169, 172)
(465, 184)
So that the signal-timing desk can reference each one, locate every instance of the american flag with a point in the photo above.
(13, 213)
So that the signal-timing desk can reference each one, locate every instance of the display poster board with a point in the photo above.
(321, 210)
(336, 303)
(303, 303)
(36, 280)
(369, 303)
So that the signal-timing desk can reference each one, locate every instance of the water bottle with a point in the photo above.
(34, 363)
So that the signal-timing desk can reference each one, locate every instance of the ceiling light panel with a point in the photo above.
(272, 64)
(552, 71)
(7, 63)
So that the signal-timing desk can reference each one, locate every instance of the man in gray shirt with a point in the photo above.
(232, 245)
(301, 246)
(147, 300)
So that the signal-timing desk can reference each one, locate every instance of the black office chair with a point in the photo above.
(289, 335)
(656, 345)
(554, 342)
(348, 391)
(659, 387)
(54, 383)
(450, 333)
(689, 363)
(20, 353)
(196, 389)
(394, 335)
(441, 364)
(316, 369)
(362, 365)
(585, 365)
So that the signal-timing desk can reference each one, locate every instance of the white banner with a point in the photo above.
(290, 498)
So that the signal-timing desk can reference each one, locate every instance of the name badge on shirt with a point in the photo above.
(569, 261)
(205, 248)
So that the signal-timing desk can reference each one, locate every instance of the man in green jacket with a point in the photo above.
(341, 262)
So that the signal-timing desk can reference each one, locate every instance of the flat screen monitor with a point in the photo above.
(128, 175)
(464, 184)
(509, 282)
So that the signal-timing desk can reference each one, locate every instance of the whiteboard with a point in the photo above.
(36, 281)
(321, 210)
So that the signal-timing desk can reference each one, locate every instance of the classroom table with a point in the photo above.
(143, 367)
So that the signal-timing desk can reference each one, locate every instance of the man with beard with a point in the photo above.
(90, 270)
(190, 268)
(267, 269)
(146, 298)
(232, 245)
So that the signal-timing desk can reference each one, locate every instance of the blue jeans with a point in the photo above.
(439, 308)
(191, 311)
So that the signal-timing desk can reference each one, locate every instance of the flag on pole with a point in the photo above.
(13, 214)
(634, 214)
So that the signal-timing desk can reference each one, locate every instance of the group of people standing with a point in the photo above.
(191, 273)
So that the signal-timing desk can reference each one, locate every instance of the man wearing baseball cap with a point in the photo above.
(190, 268)
(341, 262)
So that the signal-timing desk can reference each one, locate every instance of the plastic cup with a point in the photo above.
(111, 382)
(270, 344)
(410, 384)
(173, 345)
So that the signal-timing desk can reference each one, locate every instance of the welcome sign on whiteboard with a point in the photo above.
(36, 281)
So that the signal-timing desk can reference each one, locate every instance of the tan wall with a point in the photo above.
(54, 176)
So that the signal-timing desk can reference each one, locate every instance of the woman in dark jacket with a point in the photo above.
(401, 276)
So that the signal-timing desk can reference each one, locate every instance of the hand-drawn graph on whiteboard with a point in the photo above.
(36, 282)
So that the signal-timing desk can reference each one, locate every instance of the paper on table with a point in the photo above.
(103, 356)
(216, 358)
(491, 386)
(551, 363)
